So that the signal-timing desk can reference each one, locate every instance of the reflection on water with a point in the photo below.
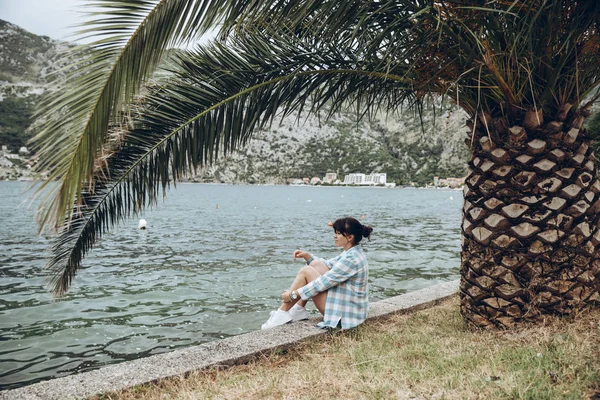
(199, 273)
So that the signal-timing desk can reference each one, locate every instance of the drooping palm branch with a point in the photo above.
(103, 78)
(102, 81)
(211, 105)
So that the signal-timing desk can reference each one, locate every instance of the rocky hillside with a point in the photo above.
(26, 60)
(395, 144)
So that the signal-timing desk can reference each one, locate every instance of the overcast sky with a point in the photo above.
(54, 18)
(43, 17)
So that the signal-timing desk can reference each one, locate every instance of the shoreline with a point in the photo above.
(217, 354)
(36, 181)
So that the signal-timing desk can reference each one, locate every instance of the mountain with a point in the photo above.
(293, 147)
(306, 147)
(26, 60)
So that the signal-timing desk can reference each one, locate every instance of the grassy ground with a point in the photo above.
(430, 354)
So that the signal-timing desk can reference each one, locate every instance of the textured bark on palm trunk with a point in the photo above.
(530, 223)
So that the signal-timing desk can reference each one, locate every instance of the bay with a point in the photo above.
(211, 264)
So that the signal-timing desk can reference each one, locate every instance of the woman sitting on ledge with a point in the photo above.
(338, 287)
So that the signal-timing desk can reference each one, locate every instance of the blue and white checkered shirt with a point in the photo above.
(347, 285)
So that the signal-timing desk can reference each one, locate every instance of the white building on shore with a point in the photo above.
(354, 179)
(362, 179)
(374, 179)
(330, 177)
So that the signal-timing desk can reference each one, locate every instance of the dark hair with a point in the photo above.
(351, 226)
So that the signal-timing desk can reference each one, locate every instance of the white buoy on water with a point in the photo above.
(142, 224)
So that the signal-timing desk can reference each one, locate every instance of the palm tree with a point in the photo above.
(114, 135)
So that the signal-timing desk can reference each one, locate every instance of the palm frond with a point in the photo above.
(104, 78)
(218, 97)
(101, 82)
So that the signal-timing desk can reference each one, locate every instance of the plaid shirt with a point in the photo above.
(348, 294)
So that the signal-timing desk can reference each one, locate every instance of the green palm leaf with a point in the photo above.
(102, 81)
(217, 98)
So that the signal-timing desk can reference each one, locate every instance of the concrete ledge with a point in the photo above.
(226, 352)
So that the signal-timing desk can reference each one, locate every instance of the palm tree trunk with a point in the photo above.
(530, 222)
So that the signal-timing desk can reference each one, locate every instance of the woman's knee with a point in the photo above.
(309, 273)
(302, 270)
(319, 266)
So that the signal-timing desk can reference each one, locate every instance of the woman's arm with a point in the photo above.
(309, 258)
(303, 254)
(344, 269)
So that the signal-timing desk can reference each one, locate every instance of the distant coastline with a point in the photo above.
(19, 167)
(189, 182)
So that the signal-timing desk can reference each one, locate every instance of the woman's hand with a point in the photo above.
(285, 296)
(301, 254)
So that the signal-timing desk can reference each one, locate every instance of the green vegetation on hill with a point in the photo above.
(349, 152)
(15, 119)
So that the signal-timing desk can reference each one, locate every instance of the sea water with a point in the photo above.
(211, 264)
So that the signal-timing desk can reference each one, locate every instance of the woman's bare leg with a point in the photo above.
(321, 269)
(308, 274)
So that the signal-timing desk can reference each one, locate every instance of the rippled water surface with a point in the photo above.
(201, 272)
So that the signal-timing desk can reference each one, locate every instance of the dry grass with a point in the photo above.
(430, 354)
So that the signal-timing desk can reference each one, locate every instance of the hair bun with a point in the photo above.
(366, 231)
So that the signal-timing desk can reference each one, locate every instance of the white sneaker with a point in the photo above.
(298, 313)
(277, 318)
